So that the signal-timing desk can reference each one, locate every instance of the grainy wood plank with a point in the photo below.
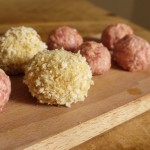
(96, 126)
(29, 123)
(115, 98)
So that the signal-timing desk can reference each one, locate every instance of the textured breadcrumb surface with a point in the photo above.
(17, 46)
(58, 77)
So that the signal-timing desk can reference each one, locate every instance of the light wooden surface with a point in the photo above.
(132, 135)
(27, 124)
(114, 99)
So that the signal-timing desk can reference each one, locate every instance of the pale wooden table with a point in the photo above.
(88, 19)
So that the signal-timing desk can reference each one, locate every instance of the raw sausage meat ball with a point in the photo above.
(5, 89)
(65, 37)
(113, 33)
(97, 56)
(132, 53)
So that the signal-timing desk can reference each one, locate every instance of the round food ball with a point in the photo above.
(5, 89)
(65, 37)
(17, 47)
(97, 56)
(132, 53)
(113, 33)
(58, 77)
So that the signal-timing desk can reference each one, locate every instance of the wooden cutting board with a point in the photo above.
(115, 98)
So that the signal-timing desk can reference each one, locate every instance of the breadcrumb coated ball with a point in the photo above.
(113, 33)
(132, 53)
(58, 77)
(5, 89)
(17, 47)
(97, 56)
(65, 37)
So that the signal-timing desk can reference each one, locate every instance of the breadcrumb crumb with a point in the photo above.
(65, 78)
(17, 47)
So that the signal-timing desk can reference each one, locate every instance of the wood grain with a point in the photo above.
(48, 11)
(115, 98)
(94, 127)
(109, 103)
(132, 135)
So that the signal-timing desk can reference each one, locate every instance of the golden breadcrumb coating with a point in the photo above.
(17, 47)
(58, 77)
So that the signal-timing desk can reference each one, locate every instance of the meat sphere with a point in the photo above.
(132, 53)
(65, 37)
(97, 56)
(113, 33)
(5, 89)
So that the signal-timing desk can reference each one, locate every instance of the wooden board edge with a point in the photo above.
(89, 129)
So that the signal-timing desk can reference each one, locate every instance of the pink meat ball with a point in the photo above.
(113, 33)
(97, 56)
(65, 37)
(132, 53)
(5, 89)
